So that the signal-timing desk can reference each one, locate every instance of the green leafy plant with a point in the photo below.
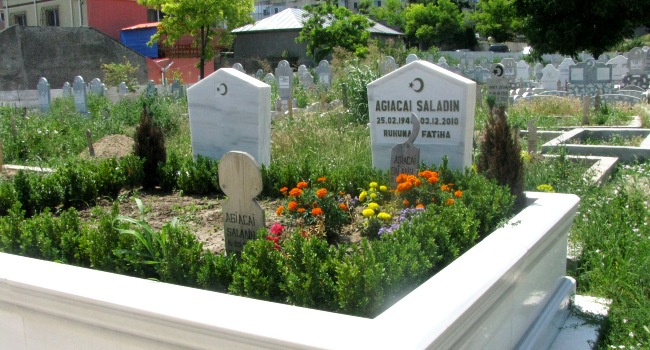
(116, 73)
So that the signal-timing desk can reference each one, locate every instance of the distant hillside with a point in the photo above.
(58, 54)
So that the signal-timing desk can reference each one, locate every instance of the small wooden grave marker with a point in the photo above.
(12, 122)
(586, 105)
(1, 158)
(405, 157)
(89, 137)
(532, 137)
(241, 180)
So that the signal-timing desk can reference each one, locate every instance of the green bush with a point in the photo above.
(7, 197)
(216, 271)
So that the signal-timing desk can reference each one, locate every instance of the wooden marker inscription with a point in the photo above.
(241, 180)
(405, 157)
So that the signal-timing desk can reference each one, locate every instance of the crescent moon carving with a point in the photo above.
(225, 89)
(420, 82)
(498, 70)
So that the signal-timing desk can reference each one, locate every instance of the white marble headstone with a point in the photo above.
(230, 111)
(324, 73)
(443, 101)
(43, 88)
(550, 77)
(563, 71)
(79, 93)
(619, 67)
(523, 71)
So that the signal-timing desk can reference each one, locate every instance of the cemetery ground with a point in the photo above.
(611, 231)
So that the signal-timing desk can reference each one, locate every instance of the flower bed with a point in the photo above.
(503, 292)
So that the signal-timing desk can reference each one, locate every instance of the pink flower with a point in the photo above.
(276, 229)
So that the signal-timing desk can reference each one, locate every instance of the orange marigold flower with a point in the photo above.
(417, 182)
(341, 193)
(411, 178)
(295, 192)
(292, 205)
(419, 206)
(401, 178)
(404, 186)
(322, 179)
(343, 206)
(450, 201)
(279, 210)
(284, 190)
(458, 194)
(405, 203)
(317, 211)
(302, 185)
(321, 193)
(444, 188)
(433, 179)
(301, 210)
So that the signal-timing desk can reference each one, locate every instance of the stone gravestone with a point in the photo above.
(563, 71)
(619, 68)
(177, 89)
(550, 77)
(284, 74)
(480, 75)
(302, 69)
(444, 103)
(306, 79)
(66, 90)
(230, 111)
(324, 73)
(259, 74)
(96, 87)
(411, 57)
(523, 71)
(442, 63)
(122, 89)
(387, 65)
(43, 88)
(241, 180)
(269, 78)
(499, 88)
(590, 77)
(151, 89)
(405, 157)
(239, 67)
(80, 97)
(636, 61)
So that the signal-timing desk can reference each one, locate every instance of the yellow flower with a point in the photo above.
(368, 212)
(383, 216)
(545, 188)
(383, 188)
(373, 205)
(362, 196)
(525, 156)
(373, 184)
(373, 195)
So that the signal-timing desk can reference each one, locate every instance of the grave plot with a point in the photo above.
(626, 144)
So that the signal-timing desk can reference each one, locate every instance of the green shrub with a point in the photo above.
(259, 273)
(7, 197)
(199, 176)
(500, 156)
(150, 146)
(216, 271)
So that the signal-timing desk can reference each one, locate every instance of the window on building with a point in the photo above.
(20, 19)
(356, 6)
(154, 15)
(2, 17)
(50, 16)
(378, 4)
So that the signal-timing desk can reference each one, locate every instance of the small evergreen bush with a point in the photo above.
(150, 146)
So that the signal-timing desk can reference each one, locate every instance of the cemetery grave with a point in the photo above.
(205, 214)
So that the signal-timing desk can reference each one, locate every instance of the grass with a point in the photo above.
(612, 225)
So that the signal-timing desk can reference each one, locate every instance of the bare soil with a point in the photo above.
(201, 214)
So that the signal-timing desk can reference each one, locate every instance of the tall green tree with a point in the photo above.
(327, 26)
(392, 13)
(496, 18)
(204, 20)
(439, 23)
(568, 27)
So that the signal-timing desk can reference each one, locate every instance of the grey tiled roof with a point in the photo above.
(292, 18)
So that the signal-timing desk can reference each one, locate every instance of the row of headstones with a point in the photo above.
(630, 69)
(627, 94)
(283, 78)
(419, 114)
(80, 89)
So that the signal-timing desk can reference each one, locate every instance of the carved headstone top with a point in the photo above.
(241, 180)
(80, 97)
(43, 88)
